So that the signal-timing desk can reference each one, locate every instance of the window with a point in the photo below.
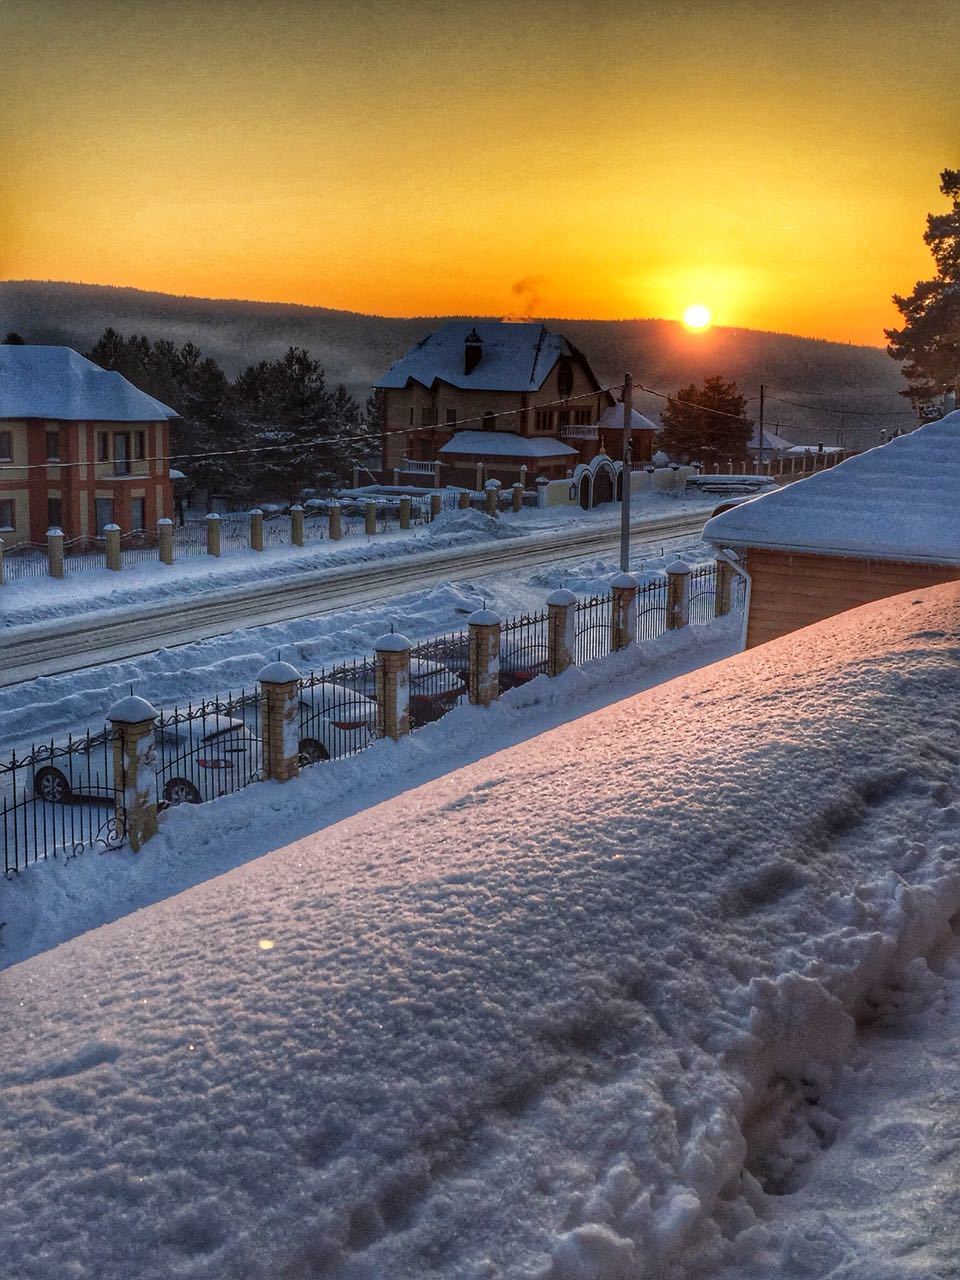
(489, 421)
(54, 513)
(104, 513)
(121, 453)
(543, 421)
(565, 376)
(140, 446)
(581, 417)
(563, 418)
(451, 417)
(428, 417)
(8, 514)
(103, 454)
(411, 415)
(53, 446)
(6, 446)
(138, 514)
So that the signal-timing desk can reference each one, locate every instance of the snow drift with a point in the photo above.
(535, 1019)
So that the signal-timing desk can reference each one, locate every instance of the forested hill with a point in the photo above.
(355, 349)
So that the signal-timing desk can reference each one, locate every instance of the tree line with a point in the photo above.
(273, 431)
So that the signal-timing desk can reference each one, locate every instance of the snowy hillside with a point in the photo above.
(592, 1008)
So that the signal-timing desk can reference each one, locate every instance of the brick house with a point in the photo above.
(80, 447)
(878, 524)
(499, 394)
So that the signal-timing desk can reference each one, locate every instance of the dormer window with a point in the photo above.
(472, 351)
(565, 376)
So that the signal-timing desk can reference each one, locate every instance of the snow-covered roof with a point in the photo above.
(515, 357)
(59, 384)
(505, 444)
(612, 416)
(771, 441)
(524, 1012)
(895, 502)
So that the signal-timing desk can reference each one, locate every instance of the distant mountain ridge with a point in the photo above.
(356, 349)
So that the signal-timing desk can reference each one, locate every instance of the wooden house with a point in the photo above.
(877, 524)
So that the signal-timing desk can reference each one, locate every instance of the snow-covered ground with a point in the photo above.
(32, 600)
(55, 705)
(656, 994)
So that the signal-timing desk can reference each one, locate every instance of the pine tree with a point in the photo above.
(706, 424)
(929, 342)
(13, 340)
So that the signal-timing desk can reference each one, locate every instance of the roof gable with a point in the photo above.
(895, 502)
(59, 384)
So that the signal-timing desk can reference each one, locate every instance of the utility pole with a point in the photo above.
(625, 473)
(760, 455)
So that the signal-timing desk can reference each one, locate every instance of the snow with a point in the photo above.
(484, 618)
(505, 444)
(392, 643)
(278, 673)
(59, 384)
(516, 357)
(566, 1012)
(133, 710)
(895, 502)
(612, 416)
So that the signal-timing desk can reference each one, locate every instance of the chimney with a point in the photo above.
(472, 351)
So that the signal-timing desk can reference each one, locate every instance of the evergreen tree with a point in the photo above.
(13, 340)
(929, 342)
(706, 424)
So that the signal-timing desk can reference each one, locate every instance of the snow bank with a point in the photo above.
(527, 1020)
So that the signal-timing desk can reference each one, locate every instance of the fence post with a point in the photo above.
(280, 720)
(463, 499)
(334, 525)
(561, 630)
(484, 671)
(256, 529)
(523, 476)
(370, 516)
(405, 511)
(165, 529)
(55, 552)
(516, 501)
(133, 722)
(296, 525)
(436, 505)
(1, 562)
(722, 587)
(678, 595)
(111, 536)
(213, 534)
(491, 495)
(479, 477)
(623, 609)
(355, 477)
(392, 654)
(542, 483)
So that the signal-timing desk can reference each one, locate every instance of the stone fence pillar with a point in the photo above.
(280, 720)
(623, 611)
(479, 477)
(393, 685)
(723, 583)
(463, 499)
(405, 511)
(334, 523)
(396, 477)
(484, 672)
(256, 529)
(516, 497)
(436, 505)
(135, 768)
(370, 516)
(1, 562)
(491, 498)
(165, 530)
(111, 537)
(561, 630)
(523, 476)
(355, 477)
(296, 525)
(678, 595)
(542, 483)
(213, 534)
(55, 552)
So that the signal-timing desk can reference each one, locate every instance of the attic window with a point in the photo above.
(489, 421)
(565, 376)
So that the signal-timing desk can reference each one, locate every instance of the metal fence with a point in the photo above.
(338, 711)
(208, 750)
(25, 560)
(652, 609)
(190, 539)
(594, 628)
(139, 547)
(439, 670)
(60, 799)
(524, 649)
(702, 598)
(84, 554)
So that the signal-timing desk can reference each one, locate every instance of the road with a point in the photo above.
(61, 645)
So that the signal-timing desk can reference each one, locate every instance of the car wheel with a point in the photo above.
(181, 791)
(312, 751)
(52, 786)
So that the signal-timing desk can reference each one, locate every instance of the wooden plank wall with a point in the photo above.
(791, 590)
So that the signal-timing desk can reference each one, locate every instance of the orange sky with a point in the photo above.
(598, 158)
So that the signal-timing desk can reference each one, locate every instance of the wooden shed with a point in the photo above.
(876, 525)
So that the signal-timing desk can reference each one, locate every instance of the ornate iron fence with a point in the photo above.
(234, 534)
(652, 609)
(594, 628)
(702, 599)
(25, 560)
(438, 676)
(84, 554)
(59, 799)
(524, 649)
(139, 547)
(338, 711)
(190, 539)
(276, 530)
(208, 750)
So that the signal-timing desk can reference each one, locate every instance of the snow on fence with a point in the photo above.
(57, 800)
(25, 560)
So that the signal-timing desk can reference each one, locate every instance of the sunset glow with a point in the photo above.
(697, 317)
(444, 159)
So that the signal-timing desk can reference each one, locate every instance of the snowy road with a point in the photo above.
(63, 645)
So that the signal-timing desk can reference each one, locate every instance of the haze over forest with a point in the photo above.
(356, 349)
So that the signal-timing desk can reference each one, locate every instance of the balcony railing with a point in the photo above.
(419, 468)
(580, 431)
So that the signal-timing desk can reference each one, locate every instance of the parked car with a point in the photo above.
(335, 721)
(517, 666)
(434, 690)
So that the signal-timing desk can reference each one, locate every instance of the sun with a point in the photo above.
(697, 317)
